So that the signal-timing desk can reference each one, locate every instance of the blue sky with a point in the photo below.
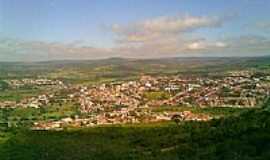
(64, 29)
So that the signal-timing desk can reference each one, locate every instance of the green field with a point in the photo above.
(95, 71)
(18, 94)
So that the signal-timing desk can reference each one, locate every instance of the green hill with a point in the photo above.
(243, 137)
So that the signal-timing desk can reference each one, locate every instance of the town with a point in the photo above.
(134, 79)
(134, 101)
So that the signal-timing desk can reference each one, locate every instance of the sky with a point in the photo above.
(41, 30)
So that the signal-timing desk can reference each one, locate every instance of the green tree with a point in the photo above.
(3, 85)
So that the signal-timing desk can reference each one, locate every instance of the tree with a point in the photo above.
(3, 85)
(266, 105)
(177, 118)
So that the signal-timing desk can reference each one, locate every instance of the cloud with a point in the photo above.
(152, 38)
(19, 50)
(166, 36)
(152, 29)
(249, 43)
(173, 36)
(263, 26)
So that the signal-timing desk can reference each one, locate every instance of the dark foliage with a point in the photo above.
(244, 137)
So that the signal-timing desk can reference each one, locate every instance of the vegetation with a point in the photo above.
(236, 134)
(18, 94)
(96, 71)
(156, 95)
(212, 111)
(24, 118)
(3, 85)
(239, 137)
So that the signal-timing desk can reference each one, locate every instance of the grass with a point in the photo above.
(157, 95)
(18, 94)
(25, 117)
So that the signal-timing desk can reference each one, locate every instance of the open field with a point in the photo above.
(16, 95)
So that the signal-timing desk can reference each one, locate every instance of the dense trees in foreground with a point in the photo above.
(244, 137)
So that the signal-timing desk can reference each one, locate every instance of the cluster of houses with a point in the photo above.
(35, 101)
(124, 116)
(32, 102)
(125, 102)
(33, 82)
(229, 91)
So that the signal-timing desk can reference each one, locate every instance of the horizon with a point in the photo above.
(139, 59)
(55, 30)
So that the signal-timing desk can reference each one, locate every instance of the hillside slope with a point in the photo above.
(243, 137)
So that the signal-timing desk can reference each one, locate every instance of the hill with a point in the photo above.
(117, 68)
(243, 137)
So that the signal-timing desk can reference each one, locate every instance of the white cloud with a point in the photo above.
(152, 29)
(206, 45)
(264, 26)
(251, 43)
(165, 36)
(220, 44)
(158, 37)
(12, 49)
(196, 46)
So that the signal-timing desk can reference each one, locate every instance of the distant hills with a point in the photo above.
(119, 59)
(119, 67)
